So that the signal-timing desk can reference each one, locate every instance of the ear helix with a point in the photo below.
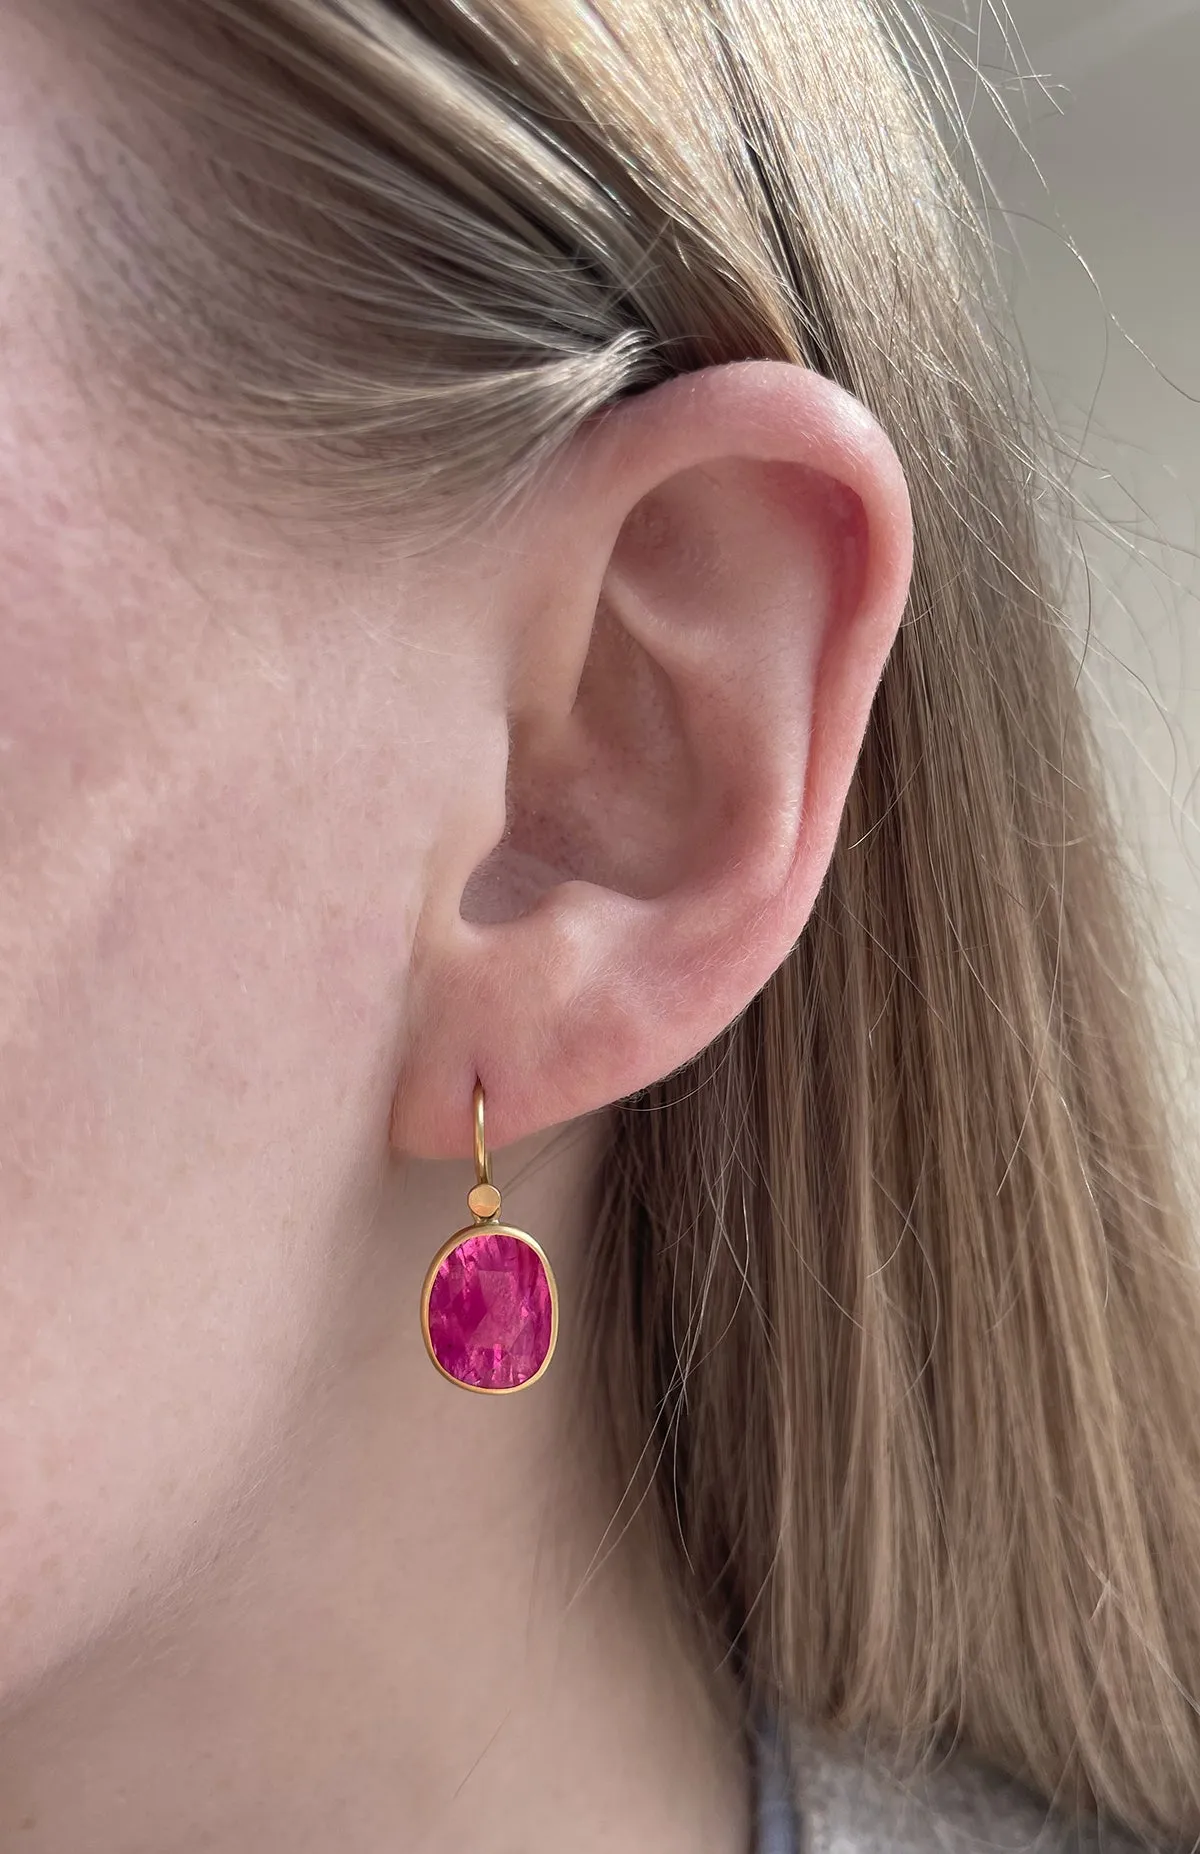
(489, 1306)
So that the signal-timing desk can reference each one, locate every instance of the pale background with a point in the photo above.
(1104, 95)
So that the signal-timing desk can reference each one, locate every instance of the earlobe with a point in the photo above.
(717, 581)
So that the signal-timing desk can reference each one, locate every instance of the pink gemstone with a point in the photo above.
(490, 1313)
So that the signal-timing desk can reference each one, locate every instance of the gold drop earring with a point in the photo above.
(489, 1306)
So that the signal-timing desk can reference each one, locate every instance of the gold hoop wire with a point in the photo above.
(483, 1164)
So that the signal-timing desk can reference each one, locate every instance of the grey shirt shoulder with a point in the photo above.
(849, 1803)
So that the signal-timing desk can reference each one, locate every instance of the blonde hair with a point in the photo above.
(893, 1276)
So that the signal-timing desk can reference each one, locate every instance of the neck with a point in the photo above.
(416, 1629)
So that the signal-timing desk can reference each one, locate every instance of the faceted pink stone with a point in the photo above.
(490, 1314)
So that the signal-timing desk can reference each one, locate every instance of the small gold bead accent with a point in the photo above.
(483, 1200)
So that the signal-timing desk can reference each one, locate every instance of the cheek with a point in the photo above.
(202, 960)
(211, 839)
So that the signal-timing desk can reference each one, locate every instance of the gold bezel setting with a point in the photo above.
(488, 1227)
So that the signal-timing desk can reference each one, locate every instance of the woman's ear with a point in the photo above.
(702, 594)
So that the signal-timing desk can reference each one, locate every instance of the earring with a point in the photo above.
(489, 1306)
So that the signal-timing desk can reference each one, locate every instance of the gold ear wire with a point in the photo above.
(483, 1199)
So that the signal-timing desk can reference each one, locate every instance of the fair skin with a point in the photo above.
(266, 1580)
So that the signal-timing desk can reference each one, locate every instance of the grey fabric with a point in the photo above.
(852, 1804)
(777, 1828)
